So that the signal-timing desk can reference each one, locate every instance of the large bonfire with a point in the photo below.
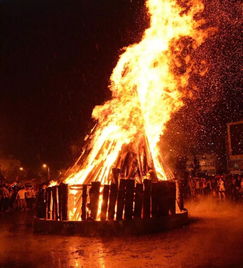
(145, 92)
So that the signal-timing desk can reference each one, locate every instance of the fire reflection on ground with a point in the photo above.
(212, 239)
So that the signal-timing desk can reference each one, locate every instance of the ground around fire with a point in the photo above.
(214, 238)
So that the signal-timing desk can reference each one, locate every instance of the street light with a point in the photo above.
(45, 166)
(21, 173)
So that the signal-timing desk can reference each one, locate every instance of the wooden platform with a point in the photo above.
(110, 228)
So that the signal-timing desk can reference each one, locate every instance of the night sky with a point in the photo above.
(56, 59)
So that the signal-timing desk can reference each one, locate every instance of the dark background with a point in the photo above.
(56, 59)
(236, 132)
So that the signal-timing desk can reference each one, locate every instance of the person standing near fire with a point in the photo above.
(21, 198)
(221, 188)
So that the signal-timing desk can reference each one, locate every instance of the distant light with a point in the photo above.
(21, 169)
(44, 165)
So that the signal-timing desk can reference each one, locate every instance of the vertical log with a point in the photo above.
(64, 202)
(172, 197)
(155, 194)
(112, 201)
(104, 202)
(129, 197)
(84, 203)
(94, 198)
(138, 200)
(120, 199)
(54, 203)
(48, 203)
(41, 204)
(146, 200)
(60, 201)
(163, 198)
(63, 199)
(180, 195)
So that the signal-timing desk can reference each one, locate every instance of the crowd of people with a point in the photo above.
(17, 197)
(219, 186)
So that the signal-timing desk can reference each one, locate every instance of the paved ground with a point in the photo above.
(214, 238)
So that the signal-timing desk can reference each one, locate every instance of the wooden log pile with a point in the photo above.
(126, 200)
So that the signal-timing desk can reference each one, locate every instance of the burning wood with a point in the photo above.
(123, 147)
(125, 201)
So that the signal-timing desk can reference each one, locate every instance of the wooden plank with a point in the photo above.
(48, 203)
(112, 201)
(147, 199)
(54, 203)
(41, 204)
(129, 198)
(84, 203)
(155, 196)
(121, 199)
(60, 201)
(64, 201)
(94, 198)
(138, 200)
(172, 198)
(104, 206)
(163, 209)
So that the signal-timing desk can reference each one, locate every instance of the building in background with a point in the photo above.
(235, 147)
(202, 164)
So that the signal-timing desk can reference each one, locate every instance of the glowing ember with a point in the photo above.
(52, 183)
(145, 93)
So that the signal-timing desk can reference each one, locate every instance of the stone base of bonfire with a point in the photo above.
(108, 209)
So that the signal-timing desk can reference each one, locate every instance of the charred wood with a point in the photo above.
(129, 197)
(121, 199)
(63, 199)
(138, 200)
(156, 200)
(41, 204)
(172, 197)
(94, 198)
(54, 203)
(146, 200)
(163, 198)
(105, 202)
(84, 203)
(48, 203)
(112, 201)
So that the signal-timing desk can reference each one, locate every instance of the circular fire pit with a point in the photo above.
(114, 228)
(108, 209)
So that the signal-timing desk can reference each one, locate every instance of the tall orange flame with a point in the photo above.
(145, 93)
